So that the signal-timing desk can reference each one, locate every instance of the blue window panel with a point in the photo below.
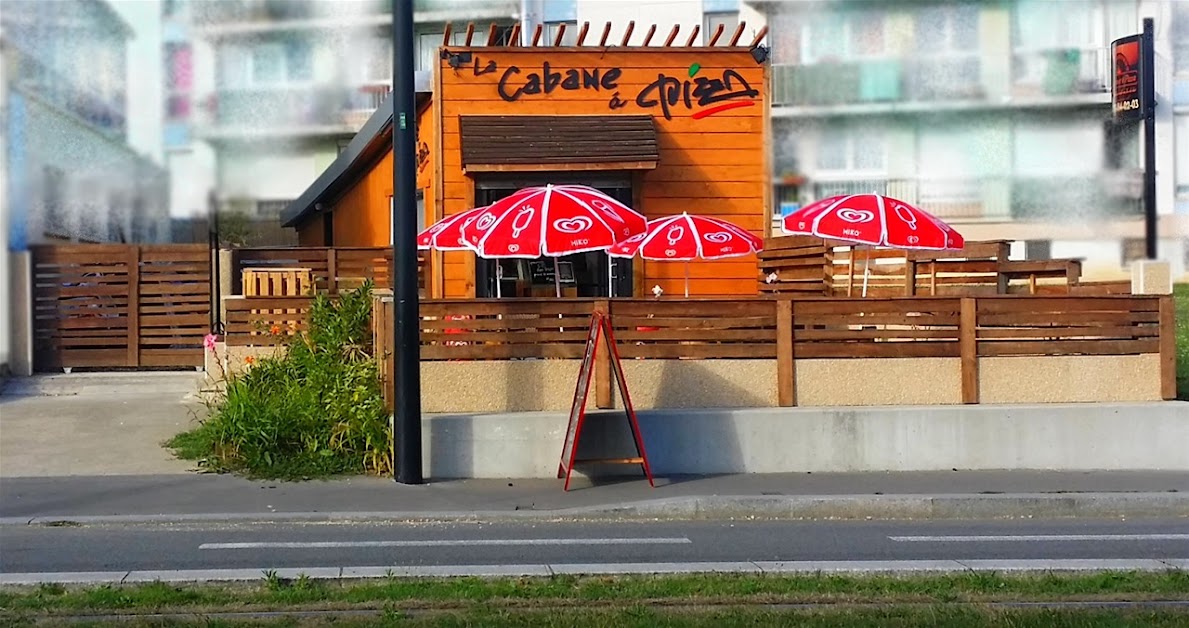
(1180, 92)
(177, 134)
(720, 6)
(559, 10)
(18, 179)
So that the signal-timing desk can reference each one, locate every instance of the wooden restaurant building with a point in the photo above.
(652, 120)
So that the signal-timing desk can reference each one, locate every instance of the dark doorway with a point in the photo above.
(582, 275)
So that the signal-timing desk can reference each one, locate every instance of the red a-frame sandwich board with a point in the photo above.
(600, 326)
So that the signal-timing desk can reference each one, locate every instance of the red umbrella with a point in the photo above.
(446, 234)
(874, 220)
(551, 221)
(687, 238)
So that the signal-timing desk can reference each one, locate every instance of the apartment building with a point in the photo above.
(265, 93)
(993, 115)
(71, 174)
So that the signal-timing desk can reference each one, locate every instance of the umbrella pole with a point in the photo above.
(610, 276)
(499, 272)
(866, 270)
(687, 279)
(556, 278)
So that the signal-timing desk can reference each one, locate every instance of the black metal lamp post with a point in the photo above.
(406, 380)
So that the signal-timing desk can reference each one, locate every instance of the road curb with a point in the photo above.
(711, 507)
(857, 567)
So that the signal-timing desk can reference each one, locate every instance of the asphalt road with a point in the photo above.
(41, 549)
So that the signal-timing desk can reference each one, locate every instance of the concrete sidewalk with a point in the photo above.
(932, 495)
(96, 423)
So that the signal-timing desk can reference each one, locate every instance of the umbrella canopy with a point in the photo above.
(446, 234)
(552, 221)
(873, 220)
(685, 238)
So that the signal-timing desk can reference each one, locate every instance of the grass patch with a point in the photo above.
(891, 616)
(464, 594)
(315, 410)
(1181, 306)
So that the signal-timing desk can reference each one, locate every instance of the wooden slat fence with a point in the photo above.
(966, 328)
(333, 269)
(797, 265)
(264, 321)
(119, 306)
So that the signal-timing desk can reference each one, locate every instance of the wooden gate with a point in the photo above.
(120, 305)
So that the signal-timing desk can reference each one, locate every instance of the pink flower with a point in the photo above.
(209, 342)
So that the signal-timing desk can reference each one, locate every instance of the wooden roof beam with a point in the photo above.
(627, 35)
(582, 32)
(491, 33)
(738, 33)
(648, 35)
(692, 36)
(606, 34)
(717, 33)
(537, 35)
(514, 36)
(561, 33)
(672, 35)
(470, 32)
(446, 34)
(759, 37)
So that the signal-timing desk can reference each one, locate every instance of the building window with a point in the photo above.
(569, 37)
(833, 37)
(53, 186)
(377, 61)
(268, 64)
(853, 150)
(729, 21)
(1038, 249)
(947, 29)
(1180, 37)
(1133, 249)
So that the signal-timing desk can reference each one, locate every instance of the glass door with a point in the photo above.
(581, 275)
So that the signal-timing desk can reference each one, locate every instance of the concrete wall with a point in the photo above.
(1073, 437)
(18, 308)
(1069, 379)
(548, 385)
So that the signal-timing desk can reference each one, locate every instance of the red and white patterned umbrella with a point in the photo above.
(552, 221)
(685, 238)
(873, 220)
(446, 234)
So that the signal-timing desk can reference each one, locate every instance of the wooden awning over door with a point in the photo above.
(542, 143)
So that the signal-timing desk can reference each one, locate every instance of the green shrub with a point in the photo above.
(315, 410)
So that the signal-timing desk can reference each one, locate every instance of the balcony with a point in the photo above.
(923, 80)
(290, 111)
(1000, 198)
(105, 114)
(1057, 73)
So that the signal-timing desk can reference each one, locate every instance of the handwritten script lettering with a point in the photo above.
(668, 92)
(549, 80)
(703, 96)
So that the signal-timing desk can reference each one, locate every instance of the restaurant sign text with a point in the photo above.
(701, 95)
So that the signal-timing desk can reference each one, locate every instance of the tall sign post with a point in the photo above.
(406, 380)
(1133, 97)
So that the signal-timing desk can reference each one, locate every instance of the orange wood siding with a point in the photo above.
(362, 216)
(713, 165)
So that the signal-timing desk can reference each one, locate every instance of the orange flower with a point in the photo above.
(250, 359)
(275, 329)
